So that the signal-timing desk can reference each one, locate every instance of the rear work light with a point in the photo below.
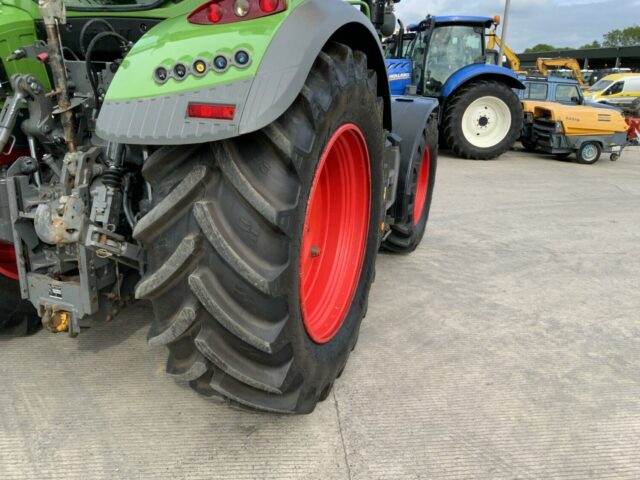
(215, 112)
(218, 12)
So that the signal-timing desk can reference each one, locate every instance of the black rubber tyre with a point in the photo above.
(405, 237)
(17, 317)
(456, 108)
(589, 153)
(223, 244)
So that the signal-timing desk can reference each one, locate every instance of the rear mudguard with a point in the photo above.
(283, 47)
(410, 117)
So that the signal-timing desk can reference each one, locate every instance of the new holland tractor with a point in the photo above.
(238, 163)
(446, 58)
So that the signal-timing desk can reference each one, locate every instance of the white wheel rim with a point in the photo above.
(486, 122)
(589, 153)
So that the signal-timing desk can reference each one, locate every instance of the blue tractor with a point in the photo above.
(445, 57)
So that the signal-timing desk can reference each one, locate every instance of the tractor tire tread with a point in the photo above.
(218, 242)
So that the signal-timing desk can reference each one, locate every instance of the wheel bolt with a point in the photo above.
(315, 251)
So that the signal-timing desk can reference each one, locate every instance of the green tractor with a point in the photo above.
(238, 163)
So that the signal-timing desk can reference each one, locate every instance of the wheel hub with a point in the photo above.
(486, 122)
(335, 233)
(589, 152)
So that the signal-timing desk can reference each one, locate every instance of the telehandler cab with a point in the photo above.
(239, 163)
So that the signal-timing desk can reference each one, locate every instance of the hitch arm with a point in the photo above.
(9, 114)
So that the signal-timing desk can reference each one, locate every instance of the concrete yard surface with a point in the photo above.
(506, 347)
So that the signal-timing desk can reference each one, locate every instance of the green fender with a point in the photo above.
(138, 109)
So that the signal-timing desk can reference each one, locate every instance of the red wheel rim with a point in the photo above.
(422, 187)
(335, 233)
(8, 266)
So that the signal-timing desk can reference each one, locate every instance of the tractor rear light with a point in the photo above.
(268, 6)
(216, 12)
(241, 8)
(215, 112)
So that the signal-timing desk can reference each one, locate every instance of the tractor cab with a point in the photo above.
(439, 46)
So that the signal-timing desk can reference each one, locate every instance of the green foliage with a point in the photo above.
(628, 37)
(542, 47)
(594, 44)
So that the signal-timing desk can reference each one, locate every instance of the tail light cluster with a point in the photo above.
(217, 12)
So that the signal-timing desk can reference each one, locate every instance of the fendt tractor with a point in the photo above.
(239, 163)
(446, 58)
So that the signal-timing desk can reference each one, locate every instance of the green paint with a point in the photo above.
(17, 30)
(177, 40)
(172, 41)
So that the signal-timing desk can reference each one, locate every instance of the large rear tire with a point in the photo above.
(483, 120)
(245, 311)
(405, 237)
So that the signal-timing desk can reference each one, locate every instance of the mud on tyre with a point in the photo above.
(226, 242)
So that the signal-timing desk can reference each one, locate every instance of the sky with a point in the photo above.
(562, 23)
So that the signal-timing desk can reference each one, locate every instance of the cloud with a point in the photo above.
(564, 23)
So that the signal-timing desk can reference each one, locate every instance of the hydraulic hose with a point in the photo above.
(86, 26)
(90, 72)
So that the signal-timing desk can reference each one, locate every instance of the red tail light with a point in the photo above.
(215, 112)
(268, 6)
(217, 12)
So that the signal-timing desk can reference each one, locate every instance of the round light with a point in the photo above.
(161, 74)
(241, 8)
(241, 57)
(220, 62)
(214, 12)
(199, 67)
(269, 6)
(180, 70)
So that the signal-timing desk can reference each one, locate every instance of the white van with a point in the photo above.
(617, 89)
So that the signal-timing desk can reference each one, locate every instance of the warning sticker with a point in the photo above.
(55, 291)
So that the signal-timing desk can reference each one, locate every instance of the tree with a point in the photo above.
(540, 48)
(594, 44)
(628, 37)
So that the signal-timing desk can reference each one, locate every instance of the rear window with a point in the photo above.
(536, 91)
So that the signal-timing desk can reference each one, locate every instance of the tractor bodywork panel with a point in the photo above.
(476, 71)
(17, 30)
(282, 50)
(400, 74)
(485, 22)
